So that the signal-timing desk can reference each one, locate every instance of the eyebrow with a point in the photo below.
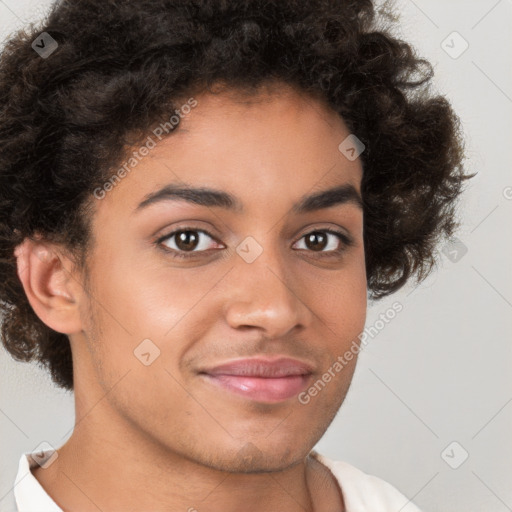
(203, 196)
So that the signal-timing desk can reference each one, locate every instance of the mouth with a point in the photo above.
(262, 380)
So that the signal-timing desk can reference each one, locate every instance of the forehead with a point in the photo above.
(273, 146)
(273, 103)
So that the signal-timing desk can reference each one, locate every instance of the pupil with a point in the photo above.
(310, 240)
(183, 240)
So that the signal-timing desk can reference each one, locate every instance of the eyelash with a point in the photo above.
(346, 242)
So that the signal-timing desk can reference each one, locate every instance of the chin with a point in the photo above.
(251, 459)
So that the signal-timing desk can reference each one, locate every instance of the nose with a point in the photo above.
(265, 294)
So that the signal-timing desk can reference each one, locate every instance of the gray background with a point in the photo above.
(440, 371)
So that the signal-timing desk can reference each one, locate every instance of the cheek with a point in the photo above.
(343, 309)
(138, 302)
(148, 300)
(341, 296)
(341, 305)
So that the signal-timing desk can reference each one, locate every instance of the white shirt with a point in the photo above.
(361, 492)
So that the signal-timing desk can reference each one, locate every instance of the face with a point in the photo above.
(180, 287)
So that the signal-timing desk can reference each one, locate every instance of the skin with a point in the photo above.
(160, 437)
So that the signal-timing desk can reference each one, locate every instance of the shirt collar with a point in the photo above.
(28, 492)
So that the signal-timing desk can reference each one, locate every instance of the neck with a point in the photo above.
(118, 468)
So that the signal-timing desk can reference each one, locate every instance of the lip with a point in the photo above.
(261, 379)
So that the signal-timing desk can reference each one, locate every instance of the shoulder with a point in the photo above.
(363, 492)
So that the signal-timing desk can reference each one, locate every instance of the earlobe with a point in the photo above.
(51, 289)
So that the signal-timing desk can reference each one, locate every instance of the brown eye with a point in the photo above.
(186, 240)
(326, 241)
(316, 241)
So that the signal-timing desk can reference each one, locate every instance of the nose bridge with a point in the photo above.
(261, 289)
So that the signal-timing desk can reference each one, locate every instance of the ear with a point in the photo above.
(53, 292)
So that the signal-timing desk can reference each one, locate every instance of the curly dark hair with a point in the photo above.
(66, 120)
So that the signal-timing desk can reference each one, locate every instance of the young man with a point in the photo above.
(196, 197)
